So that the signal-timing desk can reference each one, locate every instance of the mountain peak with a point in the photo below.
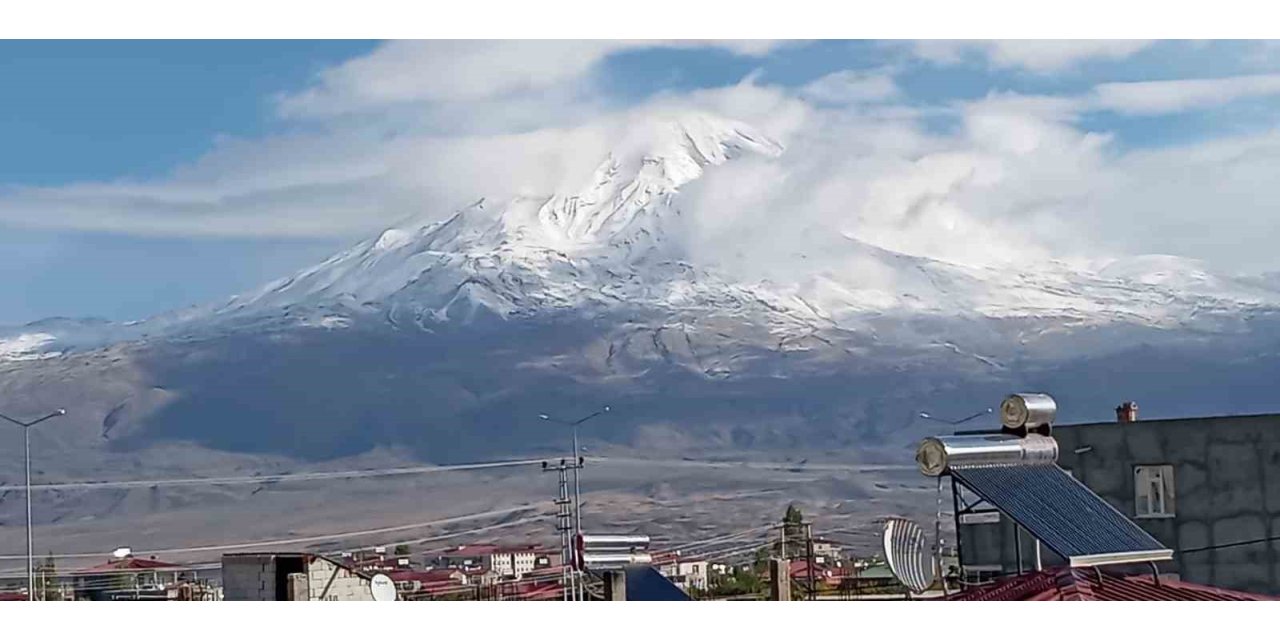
(628, 186)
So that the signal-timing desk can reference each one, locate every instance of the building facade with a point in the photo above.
(502, 561)
(291, 576)
(1207, 488)
(686, 573)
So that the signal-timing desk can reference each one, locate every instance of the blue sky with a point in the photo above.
(137, 177)
(102, 110)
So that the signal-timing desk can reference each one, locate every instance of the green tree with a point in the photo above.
(401, 550)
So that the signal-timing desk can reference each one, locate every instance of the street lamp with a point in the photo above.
(577, 463)
(926, 416)
(577, 453)
(26, 446)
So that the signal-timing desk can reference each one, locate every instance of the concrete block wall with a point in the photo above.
(248, 578)
(330, 581)
(1226, 491)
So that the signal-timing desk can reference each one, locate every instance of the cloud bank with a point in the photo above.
(425, 128)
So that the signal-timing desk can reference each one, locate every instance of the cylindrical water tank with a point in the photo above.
(601, 542)
(1028, 411)
(602, 561)
(938, 454)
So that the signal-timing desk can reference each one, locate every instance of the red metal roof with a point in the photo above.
(1066, 583)
(130, 564)
(436, 575)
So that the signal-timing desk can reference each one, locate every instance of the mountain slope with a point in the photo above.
(456, 330)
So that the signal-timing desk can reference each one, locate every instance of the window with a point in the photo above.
(1153, 491)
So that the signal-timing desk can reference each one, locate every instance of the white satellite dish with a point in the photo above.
(122, 552)
(382, 588)
(907, 552)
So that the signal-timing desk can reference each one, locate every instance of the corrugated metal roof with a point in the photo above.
(1058, 510)
(129, 564)
(1076, 584)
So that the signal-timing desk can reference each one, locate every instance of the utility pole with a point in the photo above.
(565, 527)
(576, 466)
(808, 543)
(26, 447)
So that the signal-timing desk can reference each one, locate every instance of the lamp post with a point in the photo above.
(577, 452)
(577, 464)
(926, 416)
(26, 447)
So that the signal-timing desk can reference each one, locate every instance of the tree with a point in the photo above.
(792, 528)
(794, 515)
(761, 561)
(401, 550)
(46, 586)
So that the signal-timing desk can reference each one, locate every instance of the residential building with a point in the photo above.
(828, 552)
(132, 578)
(824, 577)
(505, 562)
(685, 572)
(292, 576)
(1208, 488)
(432, 584)
(876, 578)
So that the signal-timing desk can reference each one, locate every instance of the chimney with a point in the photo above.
(1127, 412)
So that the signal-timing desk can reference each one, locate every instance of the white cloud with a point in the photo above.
(1040, 56)
(852, 87)
(1169, 96)
(1018, 178)
(427, 71)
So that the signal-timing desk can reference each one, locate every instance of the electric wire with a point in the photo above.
(300, 540)
(272, 478)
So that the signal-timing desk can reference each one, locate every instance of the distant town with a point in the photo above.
(1168, 509)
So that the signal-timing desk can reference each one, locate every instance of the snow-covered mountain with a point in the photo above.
(594, 293)
(616, 242)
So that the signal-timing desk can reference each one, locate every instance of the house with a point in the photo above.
(1206, 488)
(430, 585)
(824, 577)
(685, 572)
(826, 551)
(377, 560)
(133, 578)
(1067, 583)
(505, 562)
(292, 576)
(870, 578)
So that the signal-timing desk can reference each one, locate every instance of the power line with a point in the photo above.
(1229, 545)
(400, 471)
(446, 536)
(728, 536)
(301, 540)
(279, 477)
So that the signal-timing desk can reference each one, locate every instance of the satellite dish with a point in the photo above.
(122, 552)
(382, 588)
(907, 552)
